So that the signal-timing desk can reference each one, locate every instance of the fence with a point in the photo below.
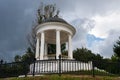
(14, 69)
(57, 66)
(106, 68)
(60, 66)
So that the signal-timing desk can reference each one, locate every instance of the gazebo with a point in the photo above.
(53, 31)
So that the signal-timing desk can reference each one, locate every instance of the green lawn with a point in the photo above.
(89, 72)
(64, 77)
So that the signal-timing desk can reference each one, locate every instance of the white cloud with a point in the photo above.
(104, 24)
(71, 9)
(107, 26)
(83, 26)
(105, 47)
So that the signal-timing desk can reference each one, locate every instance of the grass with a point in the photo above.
(89, 72)
(63, 77)
(77, 75)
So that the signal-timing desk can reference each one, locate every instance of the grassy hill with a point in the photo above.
(63, 77)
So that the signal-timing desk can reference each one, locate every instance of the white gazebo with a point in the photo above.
(53, 31)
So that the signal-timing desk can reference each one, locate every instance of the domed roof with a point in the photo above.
(55, 19)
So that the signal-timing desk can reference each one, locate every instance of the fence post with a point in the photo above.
(34, 66)
(1, 62)
(93, 69)
(24, 65)
(59, 65)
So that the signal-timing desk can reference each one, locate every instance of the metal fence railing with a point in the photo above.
(106, 68)
(13, 69)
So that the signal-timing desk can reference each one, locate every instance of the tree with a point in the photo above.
(22, 63)
(116, 48)
(98, 57)
(28, 57)
(83, 54)
(44, 12)
(17, 58)
(114, 58)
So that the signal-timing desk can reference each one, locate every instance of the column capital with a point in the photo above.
(42, 31)
(69, 34)
(37, 36)
(58, 30)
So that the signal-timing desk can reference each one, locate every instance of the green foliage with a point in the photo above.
(28, 57)
(108, 65)
(116, 48)
(85, 54)
(20, 66)
(13, 69)
(114, 58)
(17, 58)
(97, 57)
(65, 52)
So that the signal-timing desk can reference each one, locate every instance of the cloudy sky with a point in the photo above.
(97, 23)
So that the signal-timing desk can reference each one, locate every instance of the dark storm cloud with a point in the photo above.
(16, 17)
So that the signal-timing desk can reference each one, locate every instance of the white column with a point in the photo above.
(70, 54)
(37, 49)
(46, 51)
(58, 47)
(42, 47)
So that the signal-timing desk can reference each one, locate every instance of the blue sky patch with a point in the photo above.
(91, 39)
